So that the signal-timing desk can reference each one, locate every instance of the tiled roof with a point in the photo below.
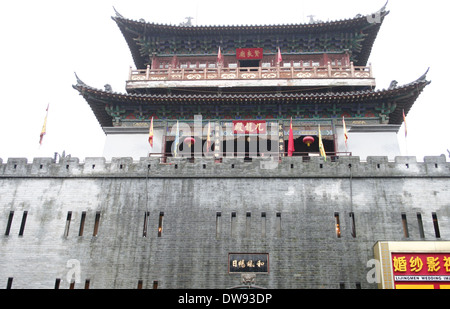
(133, 31)
(207, 29)
(403, 96)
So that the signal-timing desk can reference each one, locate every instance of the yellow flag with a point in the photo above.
(321, 148)
(44, 127)
(150, 134)
(345, 130)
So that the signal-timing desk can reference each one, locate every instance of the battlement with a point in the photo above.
(288, 167)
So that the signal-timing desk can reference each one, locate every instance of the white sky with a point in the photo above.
(44, 42)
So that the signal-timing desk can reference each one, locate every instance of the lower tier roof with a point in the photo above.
(399, 99)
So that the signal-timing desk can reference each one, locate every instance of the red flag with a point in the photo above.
(44, 127)
(150, 134)
(279, 58)
(291, 148)
(219, 57)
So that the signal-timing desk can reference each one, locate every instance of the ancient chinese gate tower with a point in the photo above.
(244, 76)
(221, 200)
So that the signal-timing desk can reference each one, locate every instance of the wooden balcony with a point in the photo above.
(255, 76)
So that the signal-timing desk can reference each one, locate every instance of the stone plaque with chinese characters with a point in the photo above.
(248, 262)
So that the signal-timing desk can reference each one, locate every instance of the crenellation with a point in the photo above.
(405, 160)
(435, 159)
(377, 161)
(42, 166)
(122, 165)
(16, 166)
(94, 165)
(287, 167)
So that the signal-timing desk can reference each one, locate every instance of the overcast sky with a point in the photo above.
(44, 42)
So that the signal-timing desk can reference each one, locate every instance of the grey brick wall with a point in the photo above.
(304, 250)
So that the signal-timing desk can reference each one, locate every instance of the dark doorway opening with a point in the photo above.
(249, 63)
(257, 149)
(301, 149)
(184, 149)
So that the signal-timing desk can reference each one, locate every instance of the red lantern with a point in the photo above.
(189, 141)
(308, 140)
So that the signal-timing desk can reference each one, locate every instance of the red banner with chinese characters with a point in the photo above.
(421, 270)
(249, 53)
(249, 127)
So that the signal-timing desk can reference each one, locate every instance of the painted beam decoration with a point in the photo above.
(249, 53)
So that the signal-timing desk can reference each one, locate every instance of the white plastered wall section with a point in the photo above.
(365, 141)
(131, 142)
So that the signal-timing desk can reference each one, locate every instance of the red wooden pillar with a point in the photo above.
(326, 59)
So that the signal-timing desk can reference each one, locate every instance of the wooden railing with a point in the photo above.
(278, 72)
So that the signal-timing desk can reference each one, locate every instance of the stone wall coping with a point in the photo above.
(287, 167)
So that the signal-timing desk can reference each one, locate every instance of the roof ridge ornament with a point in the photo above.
(424, 76)
(79, 81)
(117, 13)
(393, 85)
(188, 23)
(377, 17)
(108, 88)
(384, 6)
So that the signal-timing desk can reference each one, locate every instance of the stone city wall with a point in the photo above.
(120, 224)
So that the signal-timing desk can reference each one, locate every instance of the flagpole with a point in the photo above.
(208, 138)
(406, 146)
(406, 132)
(176, 141)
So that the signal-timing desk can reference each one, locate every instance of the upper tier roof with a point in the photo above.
(356, 35)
